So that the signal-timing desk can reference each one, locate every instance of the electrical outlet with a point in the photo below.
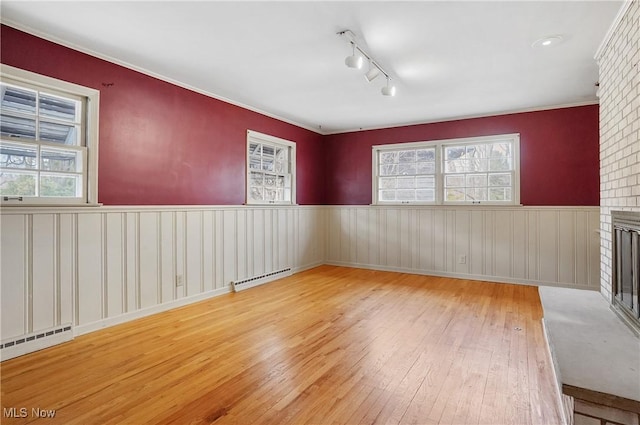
(179, 280)
(462, 259)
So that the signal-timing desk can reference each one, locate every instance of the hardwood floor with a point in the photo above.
(327, 346)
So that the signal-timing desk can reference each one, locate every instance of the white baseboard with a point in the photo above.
(111, 321)
(483, 278)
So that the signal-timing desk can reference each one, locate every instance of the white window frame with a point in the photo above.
(440, 145)
(89, 127)
(256, 137)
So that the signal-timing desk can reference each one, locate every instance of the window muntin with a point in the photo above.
(458, 171)
(48, 140)
(270, 169)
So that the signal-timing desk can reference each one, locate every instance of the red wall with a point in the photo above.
(164, 145)
(559, 154)
(161, 144)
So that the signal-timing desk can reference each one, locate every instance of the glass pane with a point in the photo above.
(268, 150)
(267, 163)
(456, 180)
(426, 167)
(426, 182)
(500, 180)
(476, 194)
(388, 157)
(255, 179)
(58, 133)
(454, 195)
(456, 166)
(389, 170)
(477, 165)
(500, 164)
(269, 180)
(454, 152)
(406, 195)
(387, 195)
(255, 149)
(59, 160)
(500, 194)
(407, 169)
(59, 185)
(60, 108)
(500, 150)
(255, 162)
(406, 182)
(426, 195)
(257, 194)
(477, 151)
(426, 154)
(17, 127)
(17, 184)
(387, 183)
(18, 156)
(407, 156)
(476, 180)
(18, 99)
(270, 194)
(287, 182)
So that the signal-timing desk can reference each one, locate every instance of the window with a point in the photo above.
(48, 140)
(270, 169)
(479, 170)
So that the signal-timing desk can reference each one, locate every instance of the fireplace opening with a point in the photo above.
(626, 266)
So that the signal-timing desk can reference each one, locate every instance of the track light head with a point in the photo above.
(353, 61)
(372, 73)
(389, 90)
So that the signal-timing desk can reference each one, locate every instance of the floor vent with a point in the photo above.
(250, 282)
(35, 341)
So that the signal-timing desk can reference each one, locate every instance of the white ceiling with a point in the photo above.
(448, 59)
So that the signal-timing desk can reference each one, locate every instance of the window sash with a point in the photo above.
(483, 173)
(270, 170)
(57, 107)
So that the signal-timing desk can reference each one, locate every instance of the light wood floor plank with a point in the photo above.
(330, 345)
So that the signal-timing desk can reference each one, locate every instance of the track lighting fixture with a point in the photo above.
(388, 90)
(354, 61)
(372, 73)
(356, 58)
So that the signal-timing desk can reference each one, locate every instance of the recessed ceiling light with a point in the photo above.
(552, 40)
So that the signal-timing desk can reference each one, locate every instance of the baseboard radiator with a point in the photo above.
(240, 285)
(35, 341)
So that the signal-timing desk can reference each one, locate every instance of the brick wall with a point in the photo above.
(619, 61)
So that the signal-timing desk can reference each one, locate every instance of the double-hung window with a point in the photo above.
(48, 142)
(477, 170)
(270, 169)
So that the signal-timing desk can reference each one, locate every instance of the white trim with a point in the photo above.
(254, 136)
(612, 29)
(467, 117)
(90, 123)
(483, 278)
(137, 314)
(438, 145)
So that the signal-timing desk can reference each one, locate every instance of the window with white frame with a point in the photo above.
(48, 140)
(476, 170)
(270, 169)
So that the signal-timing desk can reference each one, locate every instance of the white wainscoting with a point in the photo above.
(95, 267)
(556, 246)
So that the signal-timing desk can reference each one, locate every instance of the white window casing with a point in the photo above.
(271, 170)
(49, 142)
(467, 171)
